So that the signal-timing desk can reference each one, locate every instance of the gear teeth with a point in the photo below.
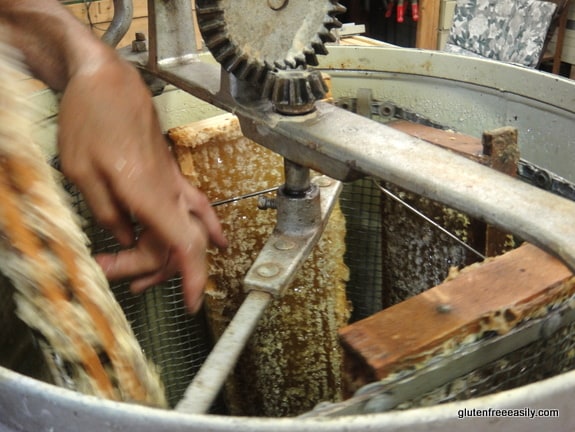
(338, 9)
(294, 92)
(211, 15)
(204, 7)
(245, 70)
(236, 64)
(290, 63)
(280, 65)
(212, 26)
(223, 54)
(318, 46)
(258, 75)
(268, 84)
(311, 57)
(300, 59)
(326, 36)
(215, 41)
(330, 22)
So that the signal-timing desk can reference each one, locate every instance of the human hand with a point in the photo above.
(112, 148)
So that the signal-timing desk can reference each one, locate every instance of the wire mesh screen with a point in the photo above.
(392, 253)
(361, 204)
(539, 360)
(174, 340)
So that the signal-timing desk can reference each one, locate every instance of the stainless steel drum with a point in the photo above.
(468, 95)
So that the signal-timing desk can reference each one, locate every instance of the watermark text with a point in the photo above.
(530, 413)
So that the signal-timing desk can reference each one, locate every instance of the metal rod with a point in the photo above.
(297, 178)
(428, 220)
(201, 393)
(172, 35)
(241, 197)
(123, 14)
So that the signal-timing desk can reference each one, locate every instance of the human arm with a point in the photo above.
(112, 148)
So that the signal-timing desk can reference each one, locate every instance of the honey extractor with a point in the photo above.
(467, 95)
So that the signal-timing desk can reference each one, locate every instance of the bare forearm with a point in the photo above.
(55, 44)
(111, 146)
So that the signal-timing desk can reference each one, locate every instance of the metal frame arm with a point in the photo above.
(345, 146)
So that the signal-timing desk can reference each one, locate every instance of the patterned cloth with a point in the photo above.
(511, 31)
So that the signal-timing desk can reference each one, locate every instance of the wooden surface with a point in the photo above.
(492, 297)
(98, 15)
(501, 149)
(428, 24)
(458, 142)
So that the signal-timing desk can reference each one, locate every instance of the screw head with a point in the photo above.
(444, 308)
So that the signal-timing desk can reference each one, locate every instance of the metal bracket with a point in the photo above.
(302, 218)
(300, 223)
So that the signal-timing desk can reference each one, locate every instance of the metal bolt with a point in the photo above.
(139, 43)
(268, 270)
(277, 4)
(265, 203)
(386, 110)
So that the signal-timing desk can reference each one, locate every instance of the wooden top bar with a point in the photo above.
(493, 296)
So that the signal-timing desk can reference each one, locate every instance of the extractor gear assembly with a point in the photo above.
(270, 43)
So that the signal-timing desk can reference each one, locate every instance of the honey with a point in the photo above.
(293, 360)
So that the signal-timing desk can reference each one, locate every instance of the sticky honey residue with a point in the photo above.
(294, 360)
(417, 255)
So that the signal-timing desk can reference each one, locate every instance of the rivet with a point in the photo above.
(284, 245)
(268, 270)
(323, 181)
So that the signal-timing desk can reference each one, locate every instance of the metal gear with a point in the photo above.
(251, 38)
(293, 92)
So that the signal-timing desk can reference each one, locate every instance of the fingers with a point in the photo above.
(199, 206)
(151, 262)
(194, 280)
(109, 215)
(179, 224)
(112, 147)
